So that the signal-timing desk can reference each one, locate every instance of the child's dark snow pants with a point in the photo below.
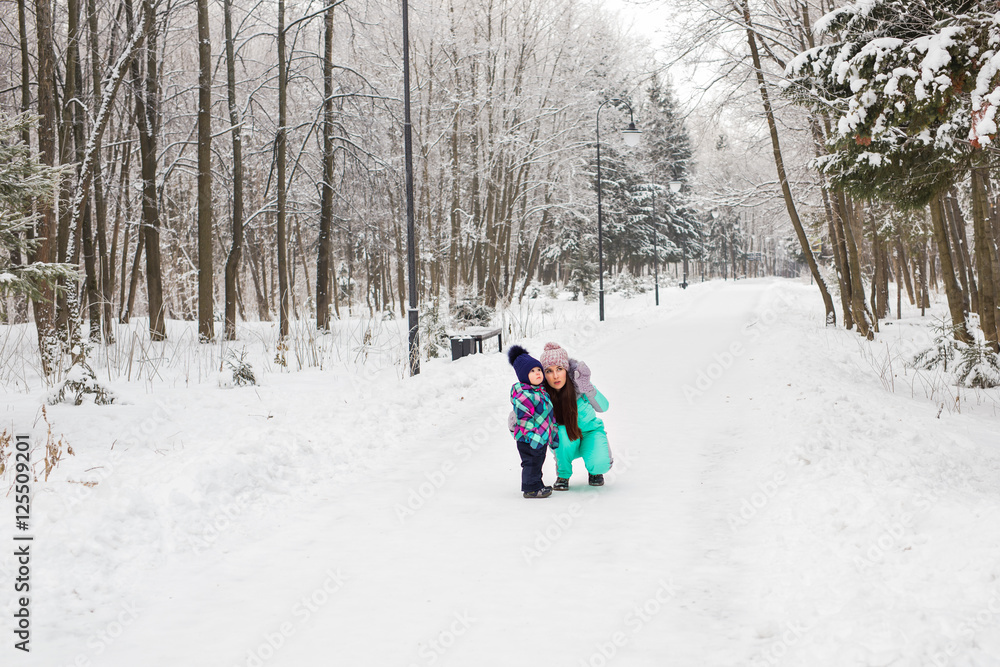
(531, 466)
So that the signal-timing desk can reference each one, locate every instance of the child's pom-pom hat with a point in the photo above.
(553, 355)
(522, 362)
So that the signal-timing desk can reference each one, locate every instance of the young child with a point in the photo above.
(535, 426)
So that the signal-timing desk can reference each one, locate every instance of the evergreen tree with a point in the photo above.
(667, 144)
(24, 181)
(621, 209)
(667, 149)
(634, 182)
(911, 88)
(896, 80)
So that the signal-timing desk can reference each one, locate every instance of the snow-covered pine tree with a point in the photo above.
(894, 79)
(24, 181)
(624, 229)
(667, 148)
(897, 82)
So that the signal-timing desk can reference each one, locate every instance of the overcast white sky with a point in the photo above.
(645, 17)
(650, 19)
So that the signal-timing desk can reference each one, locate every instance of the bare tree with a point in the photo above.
(44, 306)
(206, 274)
(280, 141)
(236, 250)
(831, 315)
(146, 94)
(323, 259)
(106, 258)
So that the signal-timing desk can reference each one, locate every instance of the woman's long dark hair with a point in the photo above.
(564, 404)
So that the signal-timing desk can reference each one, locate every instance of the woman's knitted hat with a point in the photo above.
(553, 355)
(522, 362)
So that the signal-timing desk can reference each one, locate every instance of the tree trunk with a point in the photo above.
(963, 262)
(258, 273)
(837, 223)
(20, 312)
(100, 203)
(126, 312)
(956, 300)
(925, 294)
(88, 157)
(146, 93)
(959, 222)
(45, 305)
(904, 270)
(456, 214)
(22, 31)
(900, 261)
(880, 282)
(67, 134)
(80, 224)
(236, 251)
(206, 273)
(533, 255)
(839, 260)
(858, 308)
(990, 235)
(932, 271)
(302, 259)
(280, 145)
(983, 239)
(831, 315)
(124, 186)
(326, 202)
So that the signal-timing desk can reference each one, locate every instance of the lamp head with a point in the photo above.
(675, 186)
(631, 135)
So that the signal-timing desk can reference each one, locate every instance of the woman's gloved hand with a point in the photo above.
(581, 379)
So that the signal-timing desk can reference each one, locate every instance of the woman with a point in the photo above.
(576, 402)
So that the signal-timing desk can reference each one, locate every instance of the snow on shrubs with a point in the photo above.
(470, 312)
(977, 365)
(81, 381)
(240, 372)
(433, 337)
(627, 285)
(971, 365)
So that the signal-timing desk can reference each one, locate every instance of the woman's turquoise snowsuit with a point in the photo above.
(592, 446)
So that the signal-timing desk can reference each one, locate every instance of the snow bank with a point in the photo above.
(783, 493)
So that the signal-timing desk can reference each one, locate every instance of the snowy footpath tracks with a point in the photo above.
(771, 503)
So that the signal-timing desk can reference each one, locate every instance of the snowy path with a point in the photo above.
(771, 503)
(475, 574)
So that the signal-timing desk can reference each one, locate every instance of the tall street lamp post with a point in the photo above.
(684, 249)
(675, 187)
(715, 216)
(656, 252)
(631, 136)
(411, 262)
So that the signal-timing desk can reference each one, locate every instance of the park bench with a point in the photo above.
(465, 342)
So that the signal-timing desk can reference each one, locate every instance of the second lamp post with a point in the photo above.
(631, 136)
(675, 187)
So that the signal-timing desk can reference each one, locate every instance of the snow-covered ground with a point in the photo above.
(781, 494)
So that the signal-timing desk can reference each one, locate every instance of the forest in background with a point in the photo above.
(227, 161)
(274, 153)
(880, 118)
